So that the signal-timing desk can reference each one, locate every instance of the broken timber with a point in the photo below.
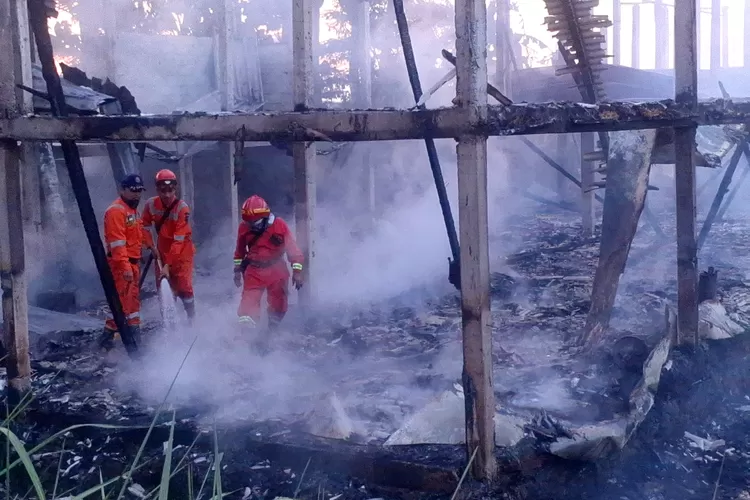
(628, 168)
(721, 192)
(471, 97)
(378, 125)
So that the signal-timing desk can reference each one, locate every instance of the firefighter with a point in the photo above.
(262, 241)
(170, 217)
(124, 239)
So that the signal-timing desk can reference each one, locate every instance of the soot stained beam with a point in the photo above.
(686, 93)
(471, 152)
(378, 125)
(628, 168)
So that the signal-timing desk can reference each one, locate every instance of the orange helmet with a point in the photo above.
(254, 209)
(166, 177)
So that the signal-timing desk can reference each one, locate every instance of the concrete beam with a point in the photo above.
(471, 96)
(378, 125)
(304, 151)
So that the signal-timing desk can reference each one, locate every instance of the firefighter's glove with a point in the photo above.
(297, 279)
(237, 276)
(127, 275)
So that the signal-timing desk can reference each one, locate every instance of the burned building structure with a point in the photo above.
(627, 120)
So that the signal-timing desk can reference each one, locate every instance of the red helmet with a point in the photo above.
(254, 209)
(165, 176)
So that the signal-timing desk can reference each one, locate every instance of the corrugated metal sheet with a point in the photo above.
(83, 99)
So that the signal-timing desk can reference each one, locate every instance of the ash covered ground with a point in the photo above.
(363, 373)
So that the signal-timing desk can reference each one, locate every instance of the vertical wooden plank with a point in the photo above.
(686, 86)
(304, 152)
(225, 74)
(715, 35)
(361, 66)
(635, 47)
(725, 36)
(661, 34)
(471, 93)
(562, 159)
(32, 203)
(616, 27)
(185, 166)
(503, 65)
(12, 258)
(587, 179)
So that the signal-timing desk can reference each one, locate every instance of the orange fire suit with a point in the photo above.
(175, 244)
(124, 238)
(266, 269)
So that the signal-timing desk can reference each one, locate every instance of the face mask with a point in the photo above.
(259, 225)
(132, 203)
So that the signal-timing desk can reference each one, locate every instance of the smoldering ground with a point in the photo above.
(401, 261)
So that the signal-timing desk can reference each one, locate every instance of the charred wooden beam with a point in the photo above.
(587, 179)
(686, 93)
(432, 156)
(708, 285)
(303, 150)
(720, 193)
(378, 125)
(38, 19)
(627, 182)
(12, 257)
(736, 189)
(471, 97)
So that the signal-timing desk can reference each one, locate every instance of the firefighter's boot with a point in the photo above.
(189, 305)
(107, 340)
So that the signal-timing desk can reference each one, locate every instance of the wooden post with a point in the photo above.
(361, 81)
(587, 179)
(225, 73)
(562, 158)
(616, 27)
(32, 207)
(304, 152)
(185, 166)
(661, 34)
(13, 22)
(503, 66)
(635, 44)
(471, 93)
(725, 36)
(686, 92)
(715, 35)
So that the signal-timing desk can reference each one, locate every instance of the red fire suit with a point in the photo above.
(175, 244)
(124, 238)
(266, 269)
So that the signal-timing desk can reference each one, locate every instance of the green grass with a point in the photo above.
(16, 454)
